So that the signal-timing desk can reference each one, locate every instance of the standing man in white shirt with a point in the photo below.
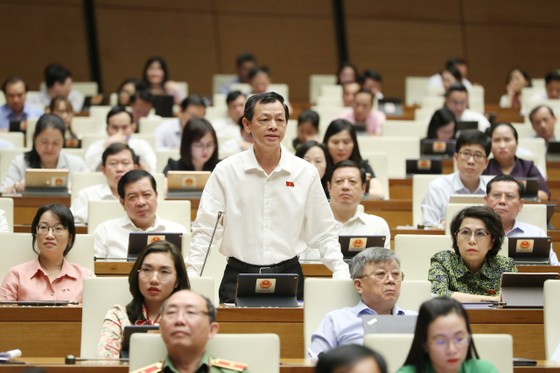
(138, 196)
(457, 100)
(273, 205)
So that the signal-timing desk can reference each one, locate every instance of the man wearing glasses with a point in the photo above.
(471, 158)
(377, 278)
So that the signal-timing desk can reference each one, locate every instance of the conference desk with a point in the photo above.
(56, 331)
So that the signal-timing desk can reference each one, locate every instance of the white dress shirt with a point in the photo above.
(521, 229)
(267, 218)
(169, 134)
(141, 147)
(474, 116)
(99, 192)
(111, 237)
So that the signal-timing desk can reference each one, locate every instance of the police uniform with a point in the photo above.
(207, 364)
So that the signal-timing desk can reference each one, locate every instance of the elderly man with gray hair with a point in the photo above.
(377, 278)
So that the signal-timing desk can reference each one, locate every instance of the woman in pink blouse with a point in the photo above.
(50, 276)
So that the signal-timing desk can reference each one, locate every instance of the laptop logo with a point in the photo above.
(357, 244)
(265, 285)
(524, 246)
(155, 238)
(188, 181)
(424, 164)
(439, 147)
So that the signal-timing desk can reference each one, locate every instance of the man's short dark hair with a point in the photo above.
(143, 94)
(263, 98)
(13, 80)
(373, 75)
(368, 92)
(194, 100)
(351, 164)
(244, 57)
(117, 110)
(116, 148)
(473, 137)
(347, 356)
(309, 116)
(456, 87)
(453, 62)
(133, 176)
(255, 70)
(56, 73)
(506, 178)
(234, 95)
(552, 76)
(539, 108)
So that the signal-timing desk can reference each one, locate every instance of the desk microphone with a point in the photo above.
(220, 213)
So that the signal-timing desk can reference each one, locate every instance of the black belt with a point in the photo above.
(243, 267)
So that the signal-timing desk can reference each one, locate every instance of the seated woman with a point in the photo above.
(504, 146)
(472, 272)
(307, 128)
(62, 107)
(316, 153)
(351, 358)
(342, 144)
(517, 79)
(199, 148)
(347, 73)
(158, 272)
(443, 126)
(127, 90)
(155, 76)
(48, 140)
(50, 276)
(443, 341)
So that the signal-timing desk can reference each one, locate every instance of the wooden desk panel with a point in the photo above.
(26, 207)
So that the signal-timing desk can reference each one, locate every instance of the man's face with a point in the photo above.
(119, 123)
(345, 187)
(140, 109)
(191, 111)
(457, 102)
(362, 106)
(116, 165)
(349, 91)
(471, 161)
(244, 69)
(185, 324)
(543, 123)
(62, 89)
(140, 203)
(15, 96)
(268, 126)
(260, 82)
(372, 85)
(553, 89)
(236, 107)
(505, 200)
(376, 293)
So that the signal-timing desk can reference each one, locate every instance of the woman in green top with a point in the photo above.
(442, 341)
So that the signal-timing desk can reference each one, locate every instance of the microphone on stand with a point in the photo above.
(220, 213)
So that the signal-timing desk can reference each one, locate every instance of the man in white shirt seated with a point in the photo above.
(58, 80)
(228, 128)
(170, 132)
(457, 100)
(116, 161)
(120, 129)
(503, 195)
(552, 88)
(543, 121)
(471, 157)
(377, 278)
(138, 196)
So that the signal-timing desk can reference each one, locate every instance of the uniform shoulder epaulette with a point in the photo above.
(152, 368)
(228, 364)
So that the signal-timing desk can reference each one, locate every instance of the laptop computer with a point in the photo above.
(352, 245)
(424, 166)
(131, 329)
(389, 324)
(137, 241)
(524, 289)
(186, 184)
(46, 181)
(553, 151)
(529, 250)
(266, 290)
(431, 148)
(163, 105)
(531, 185)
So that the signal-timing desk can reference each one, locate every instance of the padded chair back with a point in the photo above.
(415, 89)
(15, 138)
(420, 185)
(7, 204)
(316, 82)
(83, 125)
(81, 180)
(398, 150)
(163, 157)
(409, 128)
(6, 157)
(261, 352)
(378, 161)
(551, 312)
(538, 149)
(220, 79)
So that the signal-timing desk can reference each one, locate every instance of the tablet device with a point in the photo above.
(424, 166)
(437, 149)
(352, 245)
(131, 329)
(529, 250)
(163, 105)
(524, 289)
(137, 241)
(15, 126)
(185, 184)
(389, 323)
(531, 185)
(266, 290)
(46, 181)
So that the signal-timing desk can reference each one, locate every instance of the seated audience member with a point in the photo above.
(450, 75)
(16, 109)
(307, 128)
(473, 271)
(316, 153)
(552, 88)
(126, 90)
(58, 80)
(503, 195)
(138, 196)
(342, 143)
(50, 276)
(471, 158)
(46, 152)
(141, 105)
(244, 63)
(236, 145)
(188, 321)
(228, 128)
(170, 132)
(543, 121)
(443, 341)
(199, 148)
(155, 77)
(504, 146)
(158, 272)
(347, 73)
(373, 81)
(435, 83)
(457, 100)
(349, 91)
(120, 129)
(443, 126)
(517, 79)
(62, 107)
(259, 79)
(351, 359)
(377, 278)
(116, 161)
(363, 112)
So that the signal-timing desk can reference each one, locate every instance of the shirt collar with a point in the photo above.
(461, 268)
(129, 224)
(285, 164)
(516, 228)
(67, 270)
(458, 185)
(362, 309)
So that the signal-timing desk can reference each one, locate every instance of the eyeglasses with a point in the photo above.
(478, 157)
(383, 276)
(189, 313)
(163, 275)
(466, 234)
(57, 230)
(201, 146)
(496, 196)
(441, 342)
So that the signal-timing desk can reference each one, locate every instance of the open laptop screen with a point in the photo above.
(137, 241)
(46, 181)
(352, 245)
(266, 290)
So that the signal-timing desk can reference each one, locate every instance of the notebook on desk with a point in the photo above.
(389, 323)
(524, 289)
(266, 290)
(186, 184)
(529, 250)
(137, 241)
(131, 329)
(352, 245)
(432, 148)
(46, 182)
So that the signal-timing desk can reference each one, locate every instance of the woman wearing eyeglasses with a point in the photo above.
(443, 341)
(158, 272)
(471, 272)
(50, 276)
